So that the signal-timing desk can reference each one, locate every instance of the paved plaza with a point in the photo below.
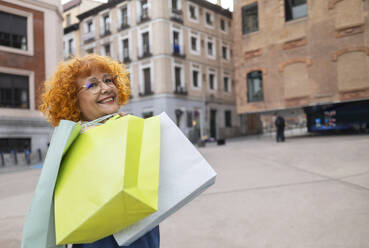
(309, 192)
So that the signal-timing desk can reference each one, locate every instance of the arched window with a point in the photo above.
(255, 86)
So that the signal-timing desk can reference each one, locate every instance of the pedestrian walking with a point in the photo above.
(280, 124)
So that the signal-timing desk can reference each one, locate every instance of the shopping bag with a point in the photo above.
(184, 174)
(108, 180)
(39, 229)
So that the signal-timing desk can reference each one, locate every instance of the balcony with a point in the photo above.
(144, 17)
(180, 90)
(105, 32)
(144, 52)
(123, 26)
(146, 93)
(178, 50)
(126, 60)
(88, 37)
(176, 15)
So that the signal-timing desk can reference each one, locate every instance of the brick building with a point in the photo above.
(298, 56)
(30, 48)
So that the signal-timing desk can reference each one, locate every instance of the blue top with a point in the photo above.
(149, 240)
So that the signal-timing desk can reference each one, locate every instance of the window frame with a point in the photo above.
(212, 71)
(31, 88)
(198, 45)
(291, 11)
(226, 75)
(252, 99)
(196, 67)
(30, 38)
(189, 17)
(212, 40)
(243, 19)
(211, 18)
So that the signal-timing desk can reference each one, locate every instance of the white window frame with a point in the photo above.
(180, 31)
(138, 9)
(140, 44)
(179, 3)
(102, 49)
(198, 45)
(120, 46)
(213, 41)
(101, 20)
(30, 41)
(214, 72)
(225, 26)
(119, 8)
(141, 76)
(227, 53)
(211, 17)
(174, 65)
(196, 67)
(227, 75)
(31, 88)
(196, 12)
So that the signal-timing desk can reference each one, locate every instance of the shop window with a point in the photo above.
(14, 91)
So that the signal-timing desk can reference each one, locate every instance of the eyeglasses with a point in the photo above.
(93, 85)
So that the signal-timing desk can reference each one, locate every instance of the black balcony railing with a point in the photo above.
(144, 52)
(105, 33)
(176, 15)
(127, 59)
(178, 51)
(180, 90)
(123, 26)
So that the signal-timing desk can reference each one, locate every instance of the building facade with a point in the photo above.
(294, 56)
(179, 56)
(30, 48)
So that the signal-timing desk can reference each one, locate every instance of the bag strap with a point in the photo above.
(97, 121)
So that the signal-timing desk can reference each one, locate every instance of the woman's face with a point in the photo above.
(97, 95)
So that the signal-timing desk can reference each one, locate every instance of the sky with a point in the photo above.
(225, 3)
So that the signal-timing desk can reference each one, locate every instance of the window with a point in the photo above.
(195, 79)
(176, 45)
(225, 52)
(106, 24)
(208, 19)
(228, 118)
(90, 50)
(68, 20)
(70, 47)
(175, 4)
(146, 81)
(210, 47)
(89, 26)
(13, 31)
(226, 84)
(192, 12)
(14, 91)
(194, 43)
(107, 51)
(212, 80)
(125, 45)
(124, 17)
(295, 9)
(144, 10)
(250, 18)
(178, 80)
(255, 86)
(14, 144)
(222, 25)
(146, 43)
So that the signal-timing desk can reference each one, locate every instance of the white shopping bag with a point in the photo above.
(184, 174)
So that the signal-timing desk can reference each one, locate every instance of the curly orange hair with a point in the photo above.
(59, 99)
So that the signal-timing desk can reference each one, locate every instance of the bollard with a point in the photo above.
(39, 154)
(2, 159)
(14, 152)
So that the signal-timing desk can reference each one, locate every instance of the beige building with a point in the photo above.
(71, 25)
(301, 55)
(178, 54)
(30, 48)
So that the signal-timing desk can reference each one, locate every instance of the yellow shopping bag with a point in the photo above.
(108, 180)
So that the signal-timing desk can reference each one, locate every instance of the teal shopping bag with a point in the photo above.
(39, 227)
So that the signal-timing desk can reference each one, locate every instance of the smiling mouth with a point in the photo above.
(108, 100)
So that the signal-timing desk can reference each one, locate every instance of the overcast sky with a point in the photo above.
(225, 3)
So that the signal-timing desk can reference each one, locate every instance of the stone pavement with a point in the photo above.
(307, 192)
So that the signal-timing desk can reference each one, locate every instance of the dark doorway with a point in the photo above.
(213, 123)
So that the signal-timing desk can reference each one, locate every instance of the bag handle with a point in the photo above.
(97, 121)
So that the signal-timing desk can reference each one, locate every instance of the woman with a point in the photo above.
(84, 90)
